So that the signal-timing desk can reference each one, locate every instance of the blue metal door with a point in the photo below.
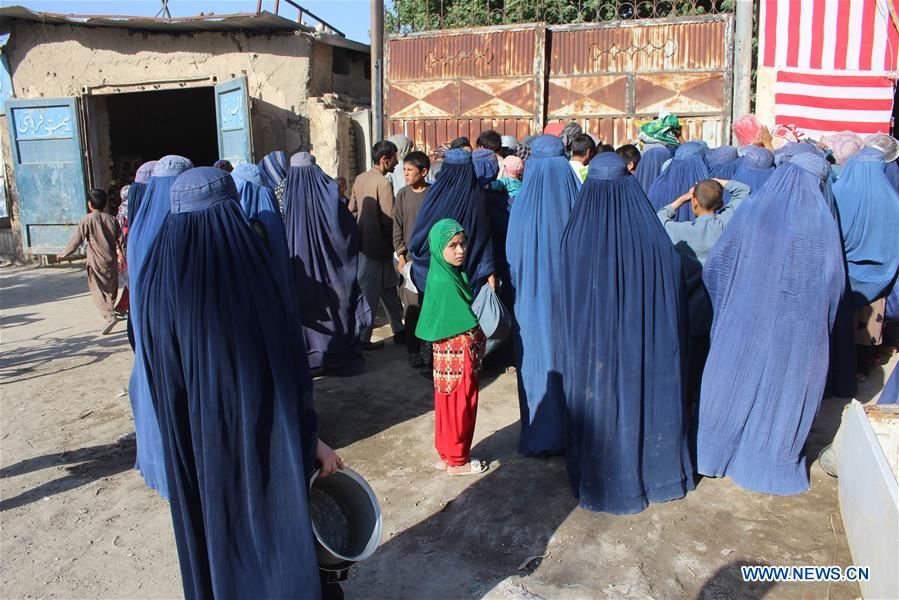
(232, 112)
(46, 152)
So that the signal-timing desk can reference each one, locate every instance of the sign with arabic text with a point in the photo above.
(44, 123)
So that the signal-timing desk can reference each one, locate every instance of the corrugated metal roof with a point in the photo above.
(263, 22)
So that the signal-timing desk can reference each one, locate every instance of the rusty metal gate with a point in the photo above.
(606, 76)
(458, 83)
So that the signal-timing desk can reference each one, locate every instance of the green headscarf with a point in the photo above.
(447, 304)
(661, 130)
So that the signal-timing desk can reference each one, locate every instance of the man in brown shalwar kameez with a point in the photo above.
(104, 240)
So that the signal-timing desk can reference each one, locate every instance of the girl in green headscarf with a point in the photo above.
(448, 321)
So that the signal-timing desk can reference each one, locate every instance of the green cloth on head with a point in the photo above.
(446, 310)
(661, 130)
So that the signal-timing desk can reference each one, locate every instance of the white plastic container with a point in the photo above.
(869, 500)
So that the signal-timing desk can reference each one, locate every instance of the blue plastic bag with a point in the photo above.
(493, 317)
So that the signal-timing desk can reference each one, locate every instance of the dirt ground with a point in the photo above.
(78, 522)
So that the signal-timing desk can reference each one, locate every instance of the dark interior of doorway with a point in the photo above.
(148, 125)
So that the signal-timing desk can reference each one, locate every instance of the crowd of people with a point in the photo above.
(674, 310)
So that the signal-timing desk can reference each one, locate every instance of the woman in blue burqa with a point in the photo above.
(152, 211)
(767, 364)
(135, 195)
(686, 169)
(622, 344)
(890, 148)
(273, 172)
(868, 209)
(756, 166)
(652, 159)
(536, 223)
(723, 162)
(324, 246)
(225, 356)
(260, 206)
(486, 169)
(138, 187)
(455, 195)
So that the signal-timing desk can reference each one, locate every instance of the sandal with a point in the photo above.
(475, 467)
(440, 465)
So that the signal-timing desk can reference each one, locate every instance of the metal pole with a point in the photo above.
(377, 65)
(742, 58)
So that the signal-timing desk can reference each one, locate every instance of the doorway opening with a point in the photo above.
(145, 126)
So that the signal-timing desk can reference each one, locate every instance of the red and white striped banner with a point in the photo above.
(833, 35)
(835, 60)
(817, 103)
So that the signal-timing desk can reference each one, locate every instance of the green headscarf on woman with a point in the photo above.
(446, 311)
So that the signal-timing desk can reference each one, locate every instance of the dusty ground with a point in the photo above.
(77, 521)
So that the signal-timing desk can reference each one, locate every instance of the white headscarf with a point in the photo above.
(403, 147)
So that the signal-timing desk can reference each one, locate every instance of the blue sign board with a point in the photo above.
(232, 111)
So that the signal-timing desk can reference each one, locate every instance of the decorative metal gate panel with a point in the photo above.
(608, 76)
(443, 85)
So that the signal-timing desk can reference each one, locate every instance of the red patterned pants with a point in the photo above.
(457, 363)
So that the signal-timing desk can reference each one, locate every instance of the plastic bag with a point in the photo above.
(493, 317)
(747, 129)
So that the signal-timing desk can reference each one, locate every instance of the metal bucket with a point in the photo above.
(346, 519)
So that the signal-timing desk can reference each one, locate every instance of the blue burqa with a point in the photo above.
(273, 169)
(455, 195)
(723, 162)
(622, 344)
(650, 165)
(767, 364)
(868, 207)
(536, 224)
(486, 170)
(892, 307)
(154, 208)
(323, 240)
(226, 359)
(498, 206)
(258, 202)
(756, 166)
(273, 172)
(137, 189)
(890, 393)
(891, 170)
(785, 153)
(792, 149)
(686, 169)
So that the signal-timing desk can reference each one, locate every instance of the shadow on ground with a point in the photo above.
(727, 584)
(387, 392)
(81, 466)
(22, 286)
(475, 541)
(24, 363)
